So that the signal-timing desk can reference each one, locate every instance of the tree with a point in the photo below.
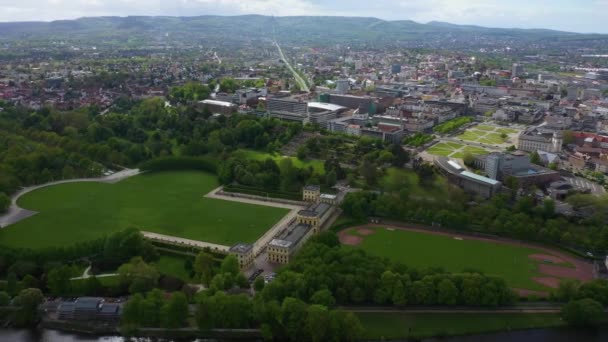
(140, 276)
(28, 301)
(5, 202)
(302, 152)
(567, 290)
(92, 286)
(131, 313)
(230, 265)
(535, 158)
(468, 159)
(258, 284)
(58, 281)
(317, 322)
(447, 293)
(369, 172)
(583, 312)
(11, 284)
(4, 298)
(568, 137)
(399, 296)
(293, 314)
(174, 313)
(203, 267)
(323, 297)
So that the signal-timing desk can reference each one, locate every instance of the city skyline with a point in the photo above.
(585, 16)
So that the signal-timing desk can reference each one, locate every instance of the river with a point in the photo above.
(534, 335)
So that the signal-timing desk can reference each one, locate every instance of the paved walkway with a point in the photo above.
(16, 214)
(461, 310)
(215, 194)
(86, 275)
(186, 242)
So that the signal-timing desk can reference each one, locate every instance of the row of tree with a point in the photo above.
(523, 218)
(325, 273)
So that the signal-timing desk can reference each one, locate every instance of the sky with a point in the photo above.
(565, 15)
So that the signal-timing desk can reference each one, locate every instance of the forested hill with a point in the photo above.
(309, 30)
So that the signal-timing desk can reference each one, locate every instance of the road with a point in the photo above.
(299, 79)
(448, 310)
(16, 214)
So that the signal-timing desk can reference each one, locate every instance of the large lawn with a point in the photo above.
(422, 250)
(444, 148)
(380, 326)
(171, 203)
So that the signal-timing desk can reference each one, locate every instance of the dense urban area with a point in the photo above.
(301, 178)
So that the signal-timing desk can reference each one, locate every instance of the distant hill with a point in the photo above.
(301, 30)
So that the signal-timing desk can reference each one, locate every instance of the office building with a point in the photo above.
(543, 139)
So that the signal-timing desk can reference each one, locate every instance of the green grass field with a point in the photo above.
(485, 128)
(444, 148)
(486, 134)
(454, 150)
(380, 326)
(423, 250)
(173, 266)
(506, 130)
(317, 165)
(171, 203)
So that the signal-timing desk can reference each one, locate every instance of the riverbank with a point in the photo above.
(392, 326)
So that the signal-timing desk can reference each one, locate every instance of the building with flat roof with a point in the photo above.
(542, 139)
(284, 246)
(468, 181)
(499, 166)
(244, 254)
(307, 223)
(89, 308)
(311, 193)
(222, 107)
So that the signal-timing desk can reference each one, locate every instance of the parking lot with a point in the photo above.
(581, 183)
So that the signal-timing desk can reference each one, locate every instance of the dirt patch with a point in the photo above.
(547, 281)
(530, 293)
(365, 231)
(547, 258)
(565, 272)
(348, 239)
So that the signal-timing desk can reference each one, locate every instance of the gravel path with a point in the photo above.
(16, 213)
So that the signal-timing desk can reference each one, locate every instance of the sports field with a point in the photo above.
(521, 266)
(170, 203)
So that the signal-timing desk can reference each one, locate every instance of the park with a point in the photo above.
(171, 203)
(488, 135)
(526, 268)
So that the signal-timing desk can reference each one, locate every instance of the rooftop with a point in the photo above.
(479, 178)
(325, 106)
(291, 236)
(241, 248)
(218, 103)
(316, 209)
(312, 188)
